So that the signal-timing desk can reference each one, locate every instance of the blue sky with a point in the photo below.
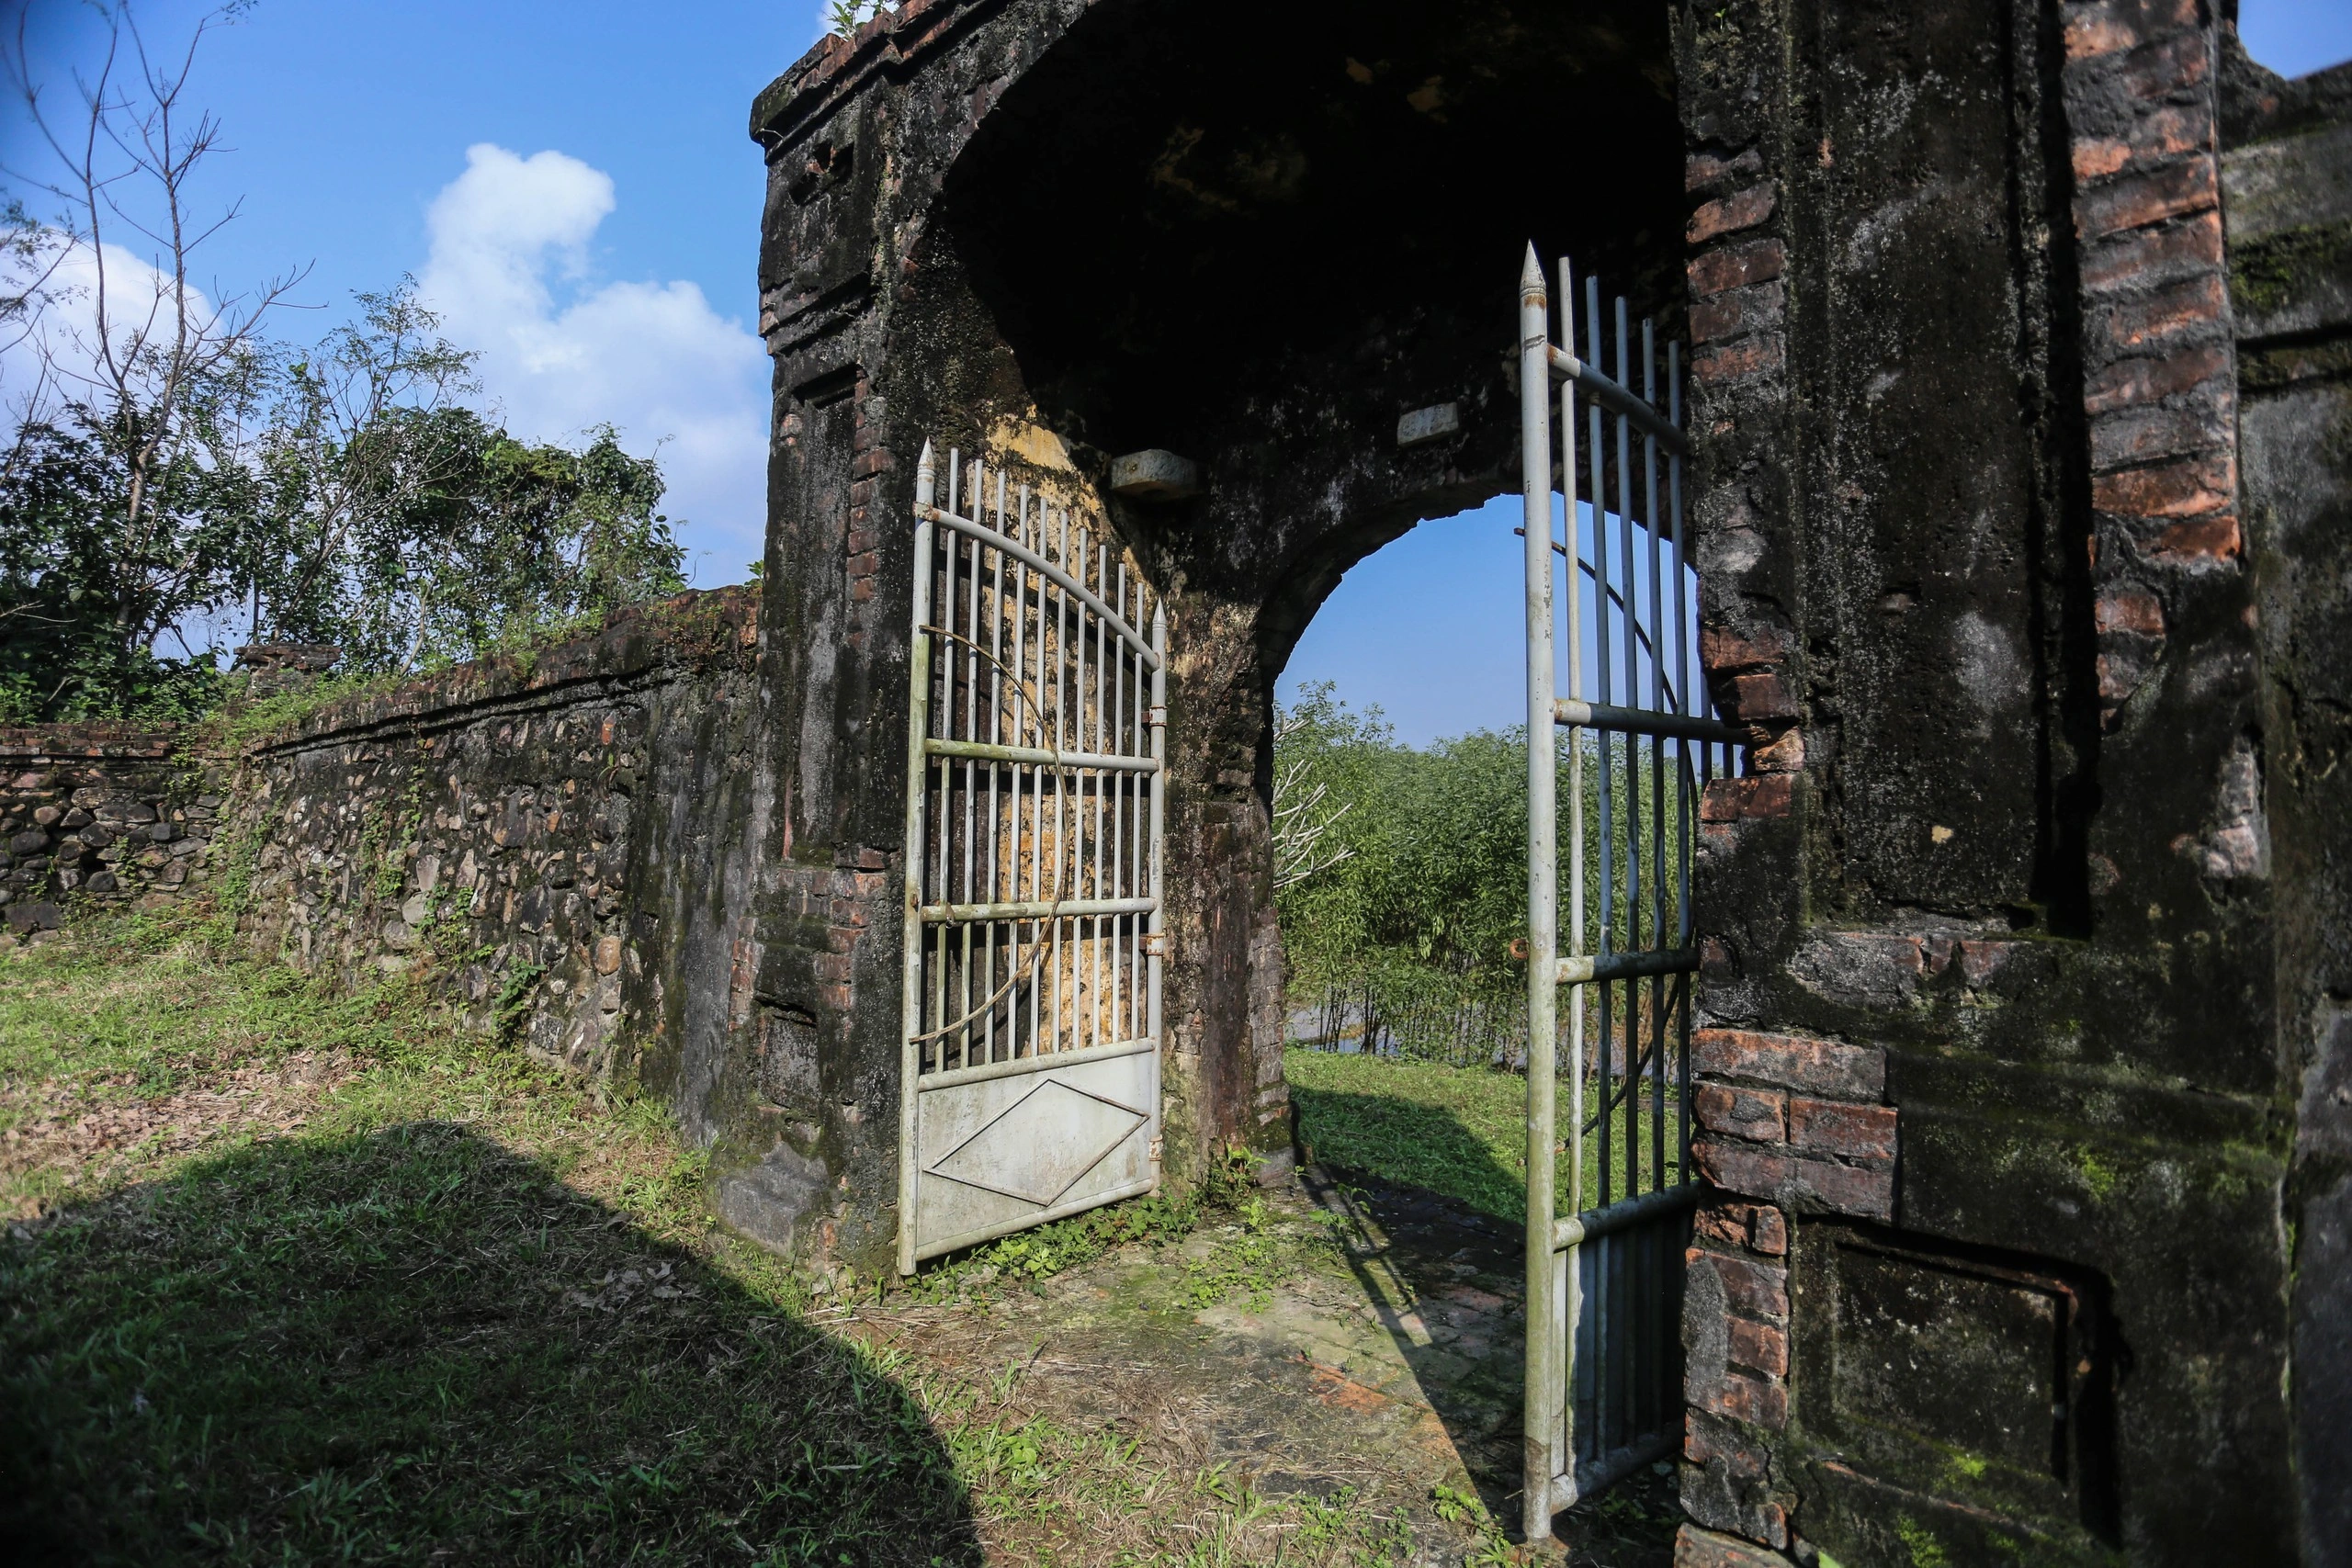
(577, 177)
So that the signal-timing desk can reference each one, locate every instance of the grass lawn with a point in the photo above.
(291, 1278)
(1458, 1131)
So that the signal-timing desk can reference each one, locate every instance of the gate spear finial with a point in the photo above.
(925, 479)
(1531, 276)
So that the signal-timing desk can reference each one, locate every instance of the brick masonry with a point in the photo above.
(1870, 978)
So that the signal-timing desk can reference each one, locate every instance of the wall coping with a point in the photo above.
(693, 629)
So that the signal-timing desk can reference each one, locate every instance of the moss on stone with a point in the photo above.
(2267, 274)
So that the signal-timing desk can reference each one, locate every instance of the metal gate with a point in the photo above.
(1030, 1080)
(1604, 1284)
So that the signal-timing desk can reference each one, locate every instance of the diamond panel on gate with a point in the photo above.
(1042, 1144)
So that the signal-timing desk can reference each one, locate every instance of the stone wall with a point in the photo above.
(545, 835)
(100, 813)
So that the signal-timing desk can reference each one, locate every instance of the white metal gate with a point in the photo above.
(1030, 1084)
(1604, 1284)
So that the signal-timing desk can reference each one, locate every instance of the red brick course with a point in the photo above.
(1790, 1061)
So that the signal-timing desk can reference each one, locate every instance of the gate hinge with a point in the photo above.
(1155, 944)
(1156, 716)
(1154, 1152)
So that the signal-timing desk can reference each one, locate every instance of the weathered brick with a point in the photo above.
(2120, 24)
(1696, 1548)
(2145, 197)
(1759, 698)
(1758, 1115)
(1750, 357)
(1723, 651)
(2139, 257)
(1732, 800)
(1792, 1061)
(2158, 70)
(2128, 382)
(1706, 1438)
(1704, 169)
(1797, 1181)
(1759, 307)
(1755, 1289)
(2125, 609)
(1741, 209)
(1741, 266)
(2185, 486)
(1768, 1231)
(2163, 317)
(1785, 755)
(1758, 1400)
(1863, 1132)
(2142, 434)
(2197, 541)
(1725, 1222)
(2163, 133)
(1758, 1347)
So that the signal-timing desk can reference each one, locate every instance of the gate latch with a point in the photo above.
(1155, 944)
(1156, 716)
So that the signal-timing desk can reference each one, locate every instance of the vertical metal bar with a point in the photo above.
(1568, 1269)
(910, 862)
(1018, 890)
(1657, 766)
(1629, 621)
(1687, 800)
(996, 769)
(1541, 1415)
(976, 476)
(1606, 1164)
(1158, 721)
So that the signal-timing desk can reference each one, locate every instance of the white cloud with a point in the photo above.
(509, 273)
(51, 353)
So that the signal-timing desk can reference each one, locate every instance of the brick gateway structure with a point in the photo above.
(2021, 523)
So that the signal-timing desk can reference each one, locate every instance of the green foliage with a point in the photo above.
(1458, 1131)
(115, 527)
(1432, 893)
(339, 495)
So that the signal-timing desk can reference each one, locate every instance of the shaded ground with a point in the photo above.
(293, 1277)
(1329, 1342)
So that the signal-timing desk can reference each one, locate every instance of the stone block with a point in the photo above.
(1696, 1548)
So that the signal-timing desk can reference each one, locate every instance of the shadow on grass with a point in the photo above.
(414, 1346)
(1440, 1203)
